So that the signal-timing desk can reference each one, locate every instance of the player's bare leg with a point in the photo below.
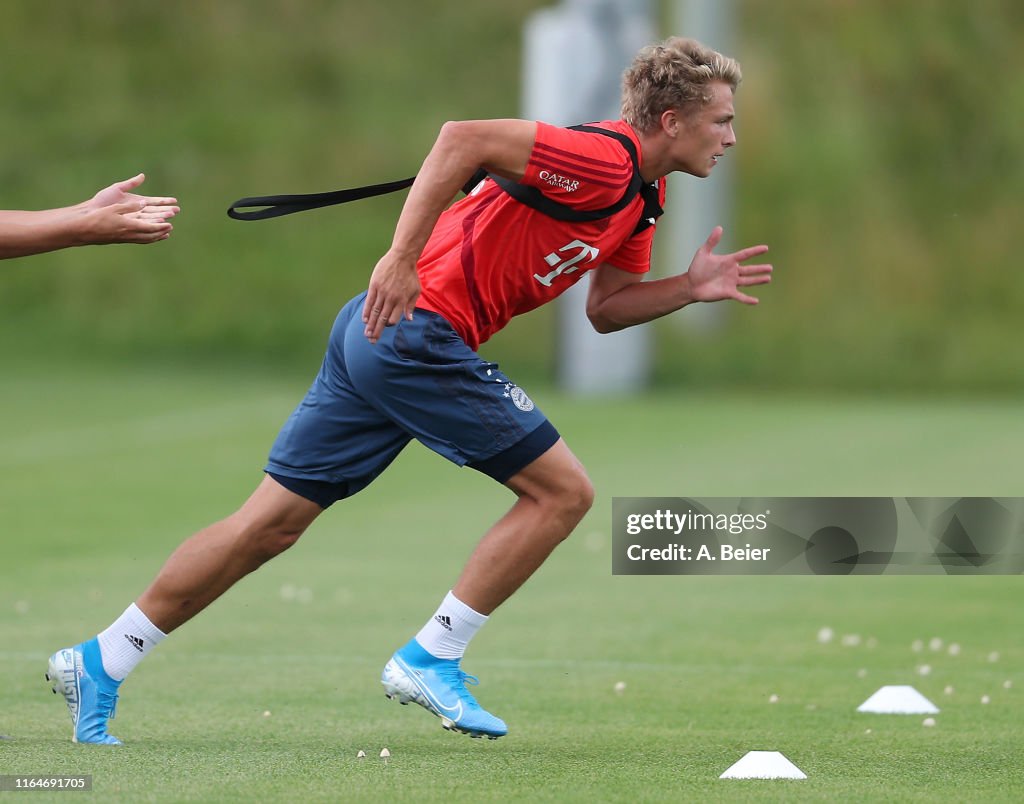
(554, 494)
(89, 674)
(214, 559)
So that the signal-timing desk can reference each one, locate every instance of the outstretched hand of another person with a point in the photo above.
(113, 215)
(714, 277)
(117, 215)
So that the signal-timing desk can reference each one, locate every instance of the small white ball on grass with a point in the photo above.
(924, 670)
(985, 699)
(949, 689)
(993, 656)
(928, 721)
(1007, 684)
(954, 649)
(620, 687)
(825, 635)
(773, 698)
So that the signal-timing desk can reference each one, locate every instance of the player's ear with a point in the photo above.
(670, 122)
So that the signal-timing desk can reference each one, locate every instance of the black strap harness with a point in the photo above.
(274, 206)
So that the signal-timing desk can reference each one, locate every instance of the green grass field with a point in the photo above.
(103, 470)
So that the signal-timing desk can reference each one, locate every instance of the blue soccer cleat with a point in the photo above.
(77, 673)
(439, 686)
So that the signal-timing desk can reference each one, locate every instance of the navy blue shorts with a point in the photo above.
(420, 380)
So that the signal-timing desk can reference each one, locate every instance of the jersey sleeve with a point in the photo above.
(580, 170)
(635, 254)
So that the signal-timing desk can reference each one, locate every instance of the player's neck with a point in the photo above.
(654, 161)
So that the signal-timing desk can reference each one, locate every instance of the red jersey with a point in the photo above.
(490, 257)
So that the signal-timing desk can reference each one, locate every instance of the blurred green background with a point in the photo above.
(880, 156)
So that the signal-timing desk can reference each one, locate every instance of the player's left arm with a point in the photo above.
(618, 299)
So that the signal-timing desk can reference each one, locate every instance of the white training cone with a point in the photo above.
(764, 765)
(898, 700)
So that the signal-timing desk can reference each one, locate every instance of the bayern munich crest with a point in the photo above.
(521, 400)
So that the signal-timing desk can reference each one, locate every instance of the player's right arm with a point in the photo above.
(499, 146)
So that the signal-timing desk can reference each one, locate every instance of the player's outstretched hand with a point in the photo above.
(394, 288)
(117, 215)
(714, 277)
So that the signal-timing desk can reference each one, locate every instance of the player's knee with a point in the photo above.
(280, 540)
(584, 495)
(575, 496)
(557, 483)
(284, 538)
(264, 543)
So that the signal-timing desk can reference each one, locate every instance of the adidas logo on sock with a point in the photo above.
(444, 620)
(136, 642)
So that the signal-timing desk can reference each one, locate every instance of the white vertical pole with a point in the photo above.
(574, 57)
(696, 206)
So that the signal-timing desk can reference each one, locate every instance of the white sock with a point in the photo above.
(448, 632)
(127, 642)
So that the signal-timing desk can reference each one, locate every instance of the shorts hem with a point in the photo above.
(322, 492)
(511, 461)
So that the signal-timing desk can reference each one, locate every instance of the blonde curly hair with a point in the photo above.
(672, 75)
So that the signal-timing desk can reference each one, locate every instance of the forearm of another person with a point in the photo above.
(24, 233)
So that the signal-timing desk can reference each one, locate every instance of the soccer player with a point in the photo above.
(401, 363)
(113, 215)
